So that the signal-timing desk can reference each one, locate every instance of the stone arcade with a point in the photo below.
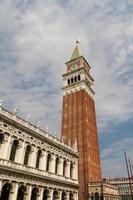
(33, 164)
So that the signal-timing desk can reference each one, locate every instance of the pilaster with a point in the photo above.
(13, 194)
(29, 192)
(32, 157)
(60, 168)
(43, 160)
(0, 186)
(68, 169)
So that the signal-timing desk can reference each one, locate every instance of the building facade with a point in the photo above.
(103, 190)
(33, 164)
(79, 119)
(123, 187)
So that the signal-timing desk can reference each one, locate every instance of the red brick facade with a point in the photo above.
(79, 125)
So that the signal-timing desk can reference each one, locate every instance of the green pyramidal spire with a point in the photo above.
(76, 52)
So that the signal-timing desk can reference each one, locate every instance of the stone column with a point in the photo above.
(75, 196)
(40, 196)
(29, 192)
(5, 151)
(13, 194)
(75, 171)
(18, 152)
(21, 152)
(0, 186)
(50, 195)
(52, 163)
(60, 195)
(67, 195)
(43, 160)
(32, 157)
(60, 168)
(67, 174)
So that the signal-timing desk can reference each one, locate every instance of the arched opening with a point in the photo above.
(1, 137)
(57, 165)
(45, 194)
(21, 192)
(5, 193)
(48, 162)
(27, 153)
(68, 81)
(75, 79)
(55, 195)
(63, 196)
(71, 196)
(72, 80)
(13, 150)
(96, 196)
(71, 170)
(64, 167)
(39, 153)
(92, 196)
(34, 193)
(79, 78)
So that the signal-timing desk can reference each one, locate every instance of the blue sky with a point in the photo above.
(37, 38)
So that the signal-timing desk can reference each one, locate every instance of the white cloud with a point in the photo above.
(113, 160)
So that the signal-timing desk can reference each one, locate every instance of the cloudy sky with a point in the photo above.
(37, 38)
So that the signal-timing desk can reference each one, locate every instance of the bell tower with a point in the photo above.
(79, 119)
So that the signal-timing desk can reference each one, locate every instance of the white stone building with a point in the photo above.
(125, 189)
(33, 164)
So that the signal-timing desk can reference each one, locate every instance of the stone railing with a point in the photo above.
(35, 171)
(36, 130)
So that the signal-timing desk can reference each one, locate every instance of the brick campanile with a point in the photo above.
(79, 119)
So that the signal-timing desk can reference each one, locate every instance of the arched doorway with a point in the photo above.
(96, 196)
(63, 196)
(21, 192)
(55, 195)
(5, 193)
(45, 194)
(34, 193)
